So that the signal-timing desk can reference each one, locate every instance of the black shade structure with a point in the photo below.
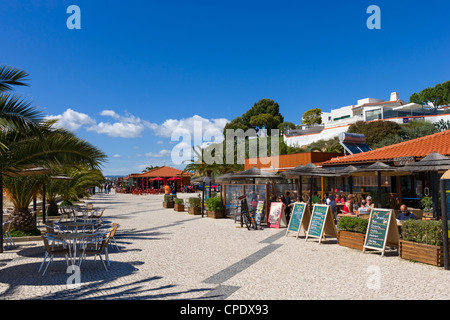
(203, 180)
(346, 172)
(225, 178)
(432, 163)
(444, 183)
(312, 171)
(255, 173)
(379, 169)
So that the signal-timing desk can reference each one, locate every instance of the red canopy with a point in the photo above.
(174, 178)
(158, 178)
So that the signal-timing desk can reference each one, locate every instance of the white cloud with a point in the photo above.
(116, 156)
(110, 113)
(195, 130)
(127, 126)
(72, 120)
(194, 127)
(160, 154)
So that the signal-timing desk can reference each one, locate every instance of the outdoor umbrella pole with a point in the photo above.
(43, 204)
(434, 194)
(310, 192)
(203, 197)
(379, 189)
(350, 182)
(1, 213)
(444, 216)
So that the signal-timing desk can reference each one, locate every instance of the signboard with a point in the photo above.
(259, 215)
(381, 230)
(300, 216)
(321, 223)
(277, 217)
(401, 161)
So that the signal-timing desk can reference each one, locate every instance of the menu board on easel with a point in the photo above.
(381, 230)
(277, 217)
(321, 223)
(259, 215)
(300, 217)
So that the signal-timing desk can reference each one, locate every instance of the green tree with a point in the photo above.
(81, 179)
(285, 126)
(263, 106)
(375, 131)
(312, 117)
(439, 95)
(54, 147)
(265, 120)
(27, 141)
(151, 167)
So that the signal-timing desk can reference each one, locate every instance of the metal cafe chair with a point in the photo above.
(96, 246)
(54, 250)
(6, 232)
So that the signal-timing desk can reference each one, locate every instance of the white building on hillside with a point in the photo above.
(369, 109)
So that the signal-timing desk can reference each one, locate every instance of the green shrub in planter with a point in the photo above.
(214, 204)
(422, 231)
(19, 233)
(169, 198)
(353, 224)
(195, 202)
(179, 201)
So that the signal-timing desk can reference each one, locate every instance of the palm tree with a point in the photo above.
(11, 76)
(52, 148)
(78, 180)
(198, 165)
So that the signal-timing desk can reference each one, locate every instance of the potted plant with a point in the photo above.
(195, 204)
(215, 208)
(352, 232)
(422, 242)
(179, 205)
(169, 201)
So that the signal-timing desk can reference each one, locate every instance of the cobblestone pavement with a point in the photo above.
(173, 255)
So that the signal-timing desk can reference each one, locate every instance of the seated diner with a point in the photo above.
(405, 214)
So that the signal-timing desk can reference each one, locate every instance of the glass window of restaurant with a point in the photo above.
(231, 194)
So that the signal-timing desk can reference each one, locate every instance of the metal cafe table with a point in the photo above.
(76, 239)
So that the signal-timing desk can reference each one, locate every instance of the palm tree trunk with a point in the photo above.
(23, 219)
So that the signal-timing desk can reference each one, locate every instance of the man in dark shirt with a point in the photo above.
(405, 214)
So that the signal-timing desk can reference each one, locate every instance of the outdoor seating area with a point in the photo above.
(79, 232)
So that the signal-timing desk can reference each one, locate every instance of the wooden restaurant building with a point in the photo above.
(406, 189)
(154, 179)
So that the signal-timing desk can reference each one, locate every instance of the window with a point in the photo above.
(373, 115)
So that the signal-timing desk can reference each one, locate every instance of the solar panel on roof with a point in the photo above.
(353, 142)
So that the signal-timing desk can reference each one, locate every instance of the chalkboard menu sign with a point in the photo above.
(321, 223)
(382, 229)
(300, 216)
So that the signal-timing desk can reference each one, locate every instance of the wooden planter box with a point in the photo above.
(195, 211)
(420, 252)
(215, 214)
(170, 204)
(178, 207)
(352, 240)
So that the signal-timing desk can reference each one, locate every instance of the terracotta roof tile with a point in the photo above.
(419, 148)
(163, 171)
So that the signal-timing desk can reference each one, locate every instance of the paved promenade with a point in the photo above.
(173, 255)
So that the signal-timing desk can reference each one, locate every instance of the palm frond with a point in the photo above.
(12, 76)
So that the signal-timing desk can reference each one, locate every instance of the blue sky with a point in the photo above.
(138, 70)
